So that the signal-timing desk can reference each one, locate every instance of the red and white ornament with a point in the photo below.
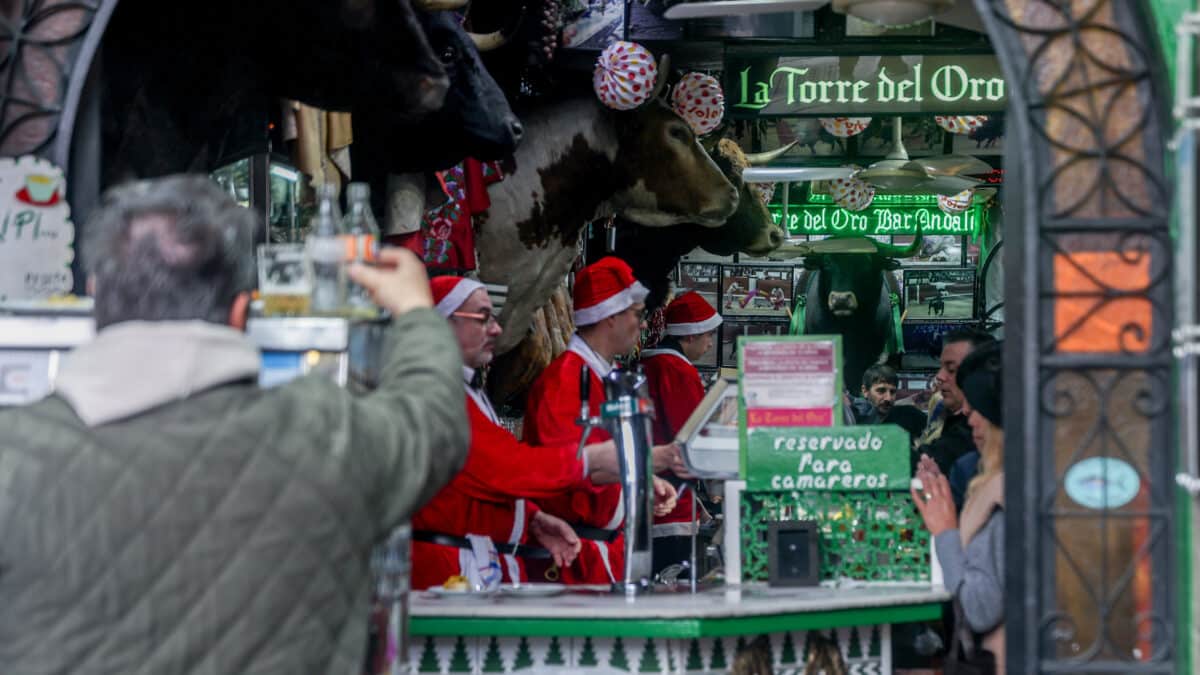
(845, 127)
(624, 75)
(960, 124)
(851, 193)
(955, 204)
(699, 100)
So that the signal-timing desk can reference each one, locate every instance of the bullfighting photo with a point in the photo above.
(756, 290)
(939, 293)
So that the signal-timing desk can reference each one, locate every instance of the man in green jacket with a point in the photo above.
(160, 513)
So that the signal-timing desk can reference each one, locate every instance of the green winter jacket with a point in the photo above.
(162, 514)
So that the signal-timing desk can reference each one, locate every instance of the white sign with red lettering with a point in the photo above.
(36, 234)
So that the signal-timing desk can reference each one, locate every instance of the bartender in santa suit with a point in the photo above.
(609, 317)
(478, 525)
(676, 389)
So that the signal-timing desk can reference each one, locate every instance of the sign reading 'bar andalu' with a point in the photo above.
(900, 219)
(864, 84)
(836, 459)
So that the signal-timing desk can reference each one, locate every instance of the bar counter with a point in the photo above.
(592, 631)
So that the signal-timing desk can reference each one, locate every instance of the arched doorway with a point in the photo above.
(1090, 589)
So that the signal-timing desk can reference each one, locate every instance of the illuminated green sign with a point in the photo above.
(888, 214)
(864, 84)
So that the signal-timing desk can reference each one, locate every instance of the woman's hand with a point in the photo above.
(934, 502)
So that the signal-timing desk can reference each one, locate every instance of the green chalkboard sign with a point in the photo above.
(836, 459)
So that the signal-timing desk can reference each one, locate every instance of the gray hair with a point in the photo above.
(173, 248)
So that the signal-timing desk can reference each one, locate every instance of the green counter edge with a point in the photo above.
(671, 628)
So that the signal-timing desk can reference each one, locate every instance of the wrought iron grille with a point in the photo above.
(866, 536)
(1090, 557)
(42, 44)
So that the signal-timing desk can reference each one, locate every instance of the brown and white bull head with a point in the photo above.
(673, 179)
(581, 162)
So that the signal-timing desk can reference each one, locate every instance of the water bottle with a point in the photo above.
(361, 235)
(326, 254)
(391, 566)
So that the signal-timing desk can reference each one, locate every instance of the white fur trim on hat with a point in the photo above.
(696, 327)
(457, 296)
(618, 302)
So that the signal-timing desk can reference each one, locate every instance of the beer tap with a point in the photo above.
(585, 420)
(626, 415)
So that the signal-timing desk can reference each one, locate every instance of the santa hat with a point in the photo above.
(604, 288)
(451, 292)
(690, 314)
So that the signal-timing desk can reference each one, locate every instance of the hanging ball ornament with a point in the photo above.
(960, 124)
(851, 194)
(624, 75)
(958, 203)
(845, 127)
(699, 100)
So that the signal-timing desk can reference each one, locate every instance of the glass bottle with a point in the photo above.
(326, 254)
(362, 234)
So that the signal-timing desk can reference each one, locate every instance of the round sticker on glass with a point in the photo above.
(1102, 483)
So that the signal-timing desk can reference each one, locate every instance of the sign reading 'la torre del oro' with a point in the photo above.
(810, 85)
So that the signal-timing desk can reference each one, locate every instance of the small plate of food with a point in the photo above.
(457, 587)
(539, 590)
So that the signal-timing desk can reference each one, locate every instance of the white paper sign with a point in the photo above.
(36, 234)
(24, 375)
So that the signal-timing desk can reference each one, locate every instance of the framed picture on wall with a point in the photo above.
(988, 139)
(936, 249)
(592, 24)
(730, 330)
(939, 294)
(756, 291)
(923, 343)
(703, 278)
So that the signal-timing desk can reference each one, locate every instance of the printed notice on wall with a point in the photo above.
(791, 381)
(36, 234)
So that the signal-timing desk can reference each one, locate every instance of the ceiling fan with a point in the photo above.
(896, 173)
(882, 12)
(943, 174)
(705, 8)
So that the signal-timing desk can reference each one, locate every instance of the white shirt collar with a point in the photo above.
(599, 366)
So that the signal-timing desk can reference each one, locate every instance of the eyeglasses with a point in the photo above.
(484, 318)
(640, 314)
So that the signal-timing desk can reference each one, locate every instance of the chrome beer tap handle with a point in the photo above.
(585, 419)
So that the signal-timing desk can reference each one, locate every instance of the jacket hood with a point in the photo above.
(136, 366)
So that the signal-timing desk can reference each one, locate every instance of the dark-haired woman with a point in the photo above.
(970, 547)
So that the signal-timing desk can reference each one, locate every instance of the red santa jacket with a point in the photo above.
(551, 410)
(488, 496)
(675, 387)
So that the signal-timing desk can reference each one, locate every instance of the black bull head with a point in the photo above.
(475, 120)
(847, 290)
(348, 56)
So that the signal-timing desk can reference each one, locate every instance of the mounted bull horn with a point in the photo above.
(759, 158)
(900, 252)
(664, 68)
(855, 244)
(486, 42)
(439, 5)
